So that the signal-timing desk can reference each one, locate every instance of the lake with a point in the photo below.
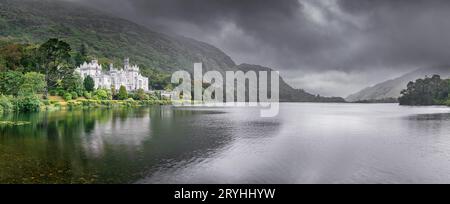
(306, 143)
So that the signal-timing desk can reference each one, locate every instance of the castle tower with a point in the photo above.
(126, 63)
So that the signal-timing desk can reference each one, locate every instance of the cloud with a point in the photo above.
(354, 38)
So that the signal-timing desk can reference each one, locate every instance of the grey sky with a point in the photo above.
(330, 47)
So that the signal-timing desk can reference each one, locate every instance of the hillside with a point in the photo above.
(106, 36)
(287, 93)
(392, 88)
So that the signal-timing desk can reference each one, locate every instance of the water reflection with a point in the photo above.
(306, 143)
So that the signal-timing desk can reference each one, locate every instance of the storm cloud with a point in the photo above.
(330, 47)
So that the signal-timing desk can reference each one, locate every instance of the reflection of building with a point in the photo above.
(129, 76)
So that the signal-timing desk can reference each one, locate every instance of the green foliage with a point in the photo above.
(87, 95)
(154, 96)
(67, 96)
(73, 83)
(28, 103)
(53, 92)
(61, 92)
(33, 82)
(11, 55)
(114, 92)
(142, 95)
(89, 84)
(428, 91)
(10, 82)
(102, 94)
(54, 58)
(74, 95)
(122, 95)
(159, 80)
(82, 55)
(6, 103)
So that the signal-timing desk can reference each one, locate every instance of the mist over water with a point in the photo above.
(306, 143)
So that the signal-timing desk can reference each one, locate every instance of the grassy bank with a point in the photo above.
(57, 103)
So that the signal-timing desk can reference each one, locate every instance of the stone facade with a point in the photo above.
(128, 76)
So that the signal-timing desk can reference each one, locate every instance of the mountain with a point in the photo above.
(112, 39)
(392, 88)
(287, 93)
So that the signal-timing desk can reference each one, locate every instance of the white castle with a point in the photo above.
(129, 76)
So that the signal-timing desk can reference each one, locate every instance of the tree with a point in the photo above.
(123, 95)
(82, 55)
(102, 94)
(54, 57)
(12, 55)
(89, 84)
(113, 92)
(142, 95)
(10, 82)
(73, 83)
(33, 82)
(428, 91)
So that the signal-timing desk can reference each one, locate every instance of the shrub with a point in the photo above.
(133, 96)
(89, 84)
(153, 97)
(87, 95)
(74, 104)
(6, 103)
(61, 93)
(141, 95)
(53, 93)
(34, 81)
(74, 95)
(28, 103)
(101, 94)
(46, 102)
(67, 96)
(123, 95)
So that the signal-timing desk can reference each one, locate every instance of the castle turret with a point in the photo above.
(126, 63)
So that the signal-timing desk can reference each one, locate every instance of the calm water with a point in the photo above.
(306, 143)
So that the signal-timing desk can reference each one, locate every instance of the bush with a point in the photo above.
(28, 103)
(74, 104)
(87, 95)
(123, 95)
(67, 96)
(46, 102)
(154, 97)
(53, 93)
(89, 84)
(6, 103)
(61, 93)
(74, 95)
(141, 95)
(101, 94)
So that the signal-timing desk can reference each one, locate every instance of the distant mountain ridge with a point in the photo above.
(35, 21)
(287, 93)
(393, 87)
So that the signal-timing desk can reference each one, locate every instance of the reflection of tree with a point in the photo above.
(110, 145)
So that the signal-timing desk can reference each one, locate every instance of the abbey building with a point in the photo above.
(128, 76)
